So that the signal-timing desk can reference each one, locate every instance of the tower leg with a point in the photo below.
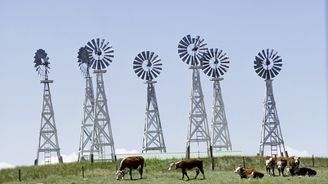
(48, 139)
(102, 142)
(271, 134)
(153, 139)
(221, 136)
(198, 125)
(86, 133)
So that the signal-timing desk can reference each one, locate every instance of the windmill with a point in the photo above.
(191, 51)
(267, 65)
(48, 139)
(100, 53)
(147, 65)
(88, 106)
(214, 64)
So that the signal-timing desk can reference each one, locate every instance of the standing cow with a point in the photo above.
(187, 165)
(281, 163)
(133, 162)
(270, 163)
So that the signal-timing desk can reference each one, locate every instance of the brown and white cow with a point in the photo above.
(294, 161)
(188, 165)
(133, 162)
(269, 165)
(281, 163)
(248, 173)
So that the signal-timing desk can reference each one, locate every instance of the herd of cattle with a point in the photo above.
(290, 164)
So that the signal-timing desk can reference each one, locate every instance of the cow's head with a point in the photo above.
(297, 160)
(269, 162)
(119, 175)
(173, 166)
(238, 170)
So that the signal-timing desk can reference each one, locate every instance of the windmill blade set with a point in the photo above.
(41, 63)
(267, 64)
(147, 65)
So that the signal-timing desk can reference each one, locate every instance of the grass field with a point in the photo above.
(155, 172)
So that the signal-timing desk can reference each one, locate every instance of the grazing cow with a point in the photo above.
(269, 164)
(281, 165)
(133, 162)
(301, 171)
(248, 173)
(294, 161)
(187, 165)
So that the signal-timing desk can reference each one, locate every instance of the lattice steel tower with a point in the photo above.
(214, 64)
(147, 65)
(191, 51)
(48, 139)
(88, 107)
(267, 65)
(100, 53)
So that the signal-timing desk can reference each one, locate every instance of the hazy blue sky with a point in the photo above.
(294, 28)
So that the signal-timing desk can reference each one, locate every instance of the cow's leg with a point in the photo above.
(141, 171)
(130, 173)
(202, 171)
(268, 171)
(184, 173)
(197, 172)
(273, 171)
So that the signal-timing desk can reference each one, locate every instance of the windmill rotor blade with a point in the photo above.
(145, 71)
(100, 53)
(267, 64)
(193, 56)
(214, 63)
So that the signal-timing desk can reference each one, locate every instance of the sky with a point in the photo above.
(296, 29)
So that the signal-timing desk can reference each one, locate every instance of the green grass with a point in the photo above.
(155, 171)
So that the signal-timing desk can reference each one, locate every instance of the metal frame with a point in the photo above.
(271, 134)
(220, 130)
(102, 141)
(48, 139)
(87, 121)
(153, 133)
(198, 125)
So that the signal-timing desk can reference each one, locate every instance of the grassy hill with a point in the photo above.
(156, 172)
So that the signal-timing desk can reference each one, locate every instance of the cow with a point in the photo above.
(301, 171)
(294, 161)
(185, 165)
(133, 162)
(281, 163)
(269, 164)
(248, 173)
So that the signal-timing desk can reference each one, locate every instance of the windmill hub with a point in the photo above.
(214, 63)
(268, 64)
(99, 52)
